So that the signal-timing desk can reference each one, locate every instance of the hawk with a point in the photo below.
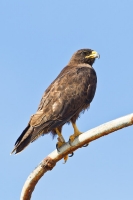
(68, 95)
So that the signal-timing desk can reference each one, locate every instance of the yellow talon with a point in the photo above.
(59, 144)
(71, 138)
(61, 140)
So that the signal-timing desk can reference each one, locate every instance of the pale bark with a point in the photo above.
(50, 161)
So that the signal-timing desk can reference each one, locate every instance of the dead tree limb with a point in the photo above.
(50, 161)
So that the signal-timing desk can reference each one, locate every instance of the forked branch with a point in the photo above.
(50, 161)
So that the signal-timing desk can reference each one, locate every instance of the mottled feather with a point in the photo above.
(68, 95)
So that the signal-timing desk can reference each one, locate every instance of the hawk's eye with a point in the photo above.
(83, 53)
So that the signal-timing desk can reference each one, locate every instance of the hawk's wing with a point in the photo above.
(64, 98)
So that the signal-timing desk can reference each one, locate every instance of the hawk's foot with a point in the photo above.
(72, 137)
(59, 144)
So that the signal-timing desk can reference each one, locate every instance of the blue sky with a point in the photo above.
(37, 39)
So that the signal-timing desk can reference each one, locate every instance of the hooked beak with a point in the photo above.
(93, 54)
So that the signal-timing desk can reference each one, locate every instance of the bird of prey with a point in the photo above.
(67, 96)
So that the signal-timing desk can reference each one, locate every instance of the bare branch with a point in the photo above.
(50, 161)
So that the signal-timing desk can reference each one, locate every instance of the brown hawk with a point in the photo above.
(67, 96)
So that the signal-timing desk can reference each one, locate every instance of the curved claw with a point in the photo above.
(57, 148)
(86, 145)
(69, 141)
(71, 154)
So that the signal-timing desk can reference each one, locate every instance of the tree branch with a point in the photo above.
(50, 161)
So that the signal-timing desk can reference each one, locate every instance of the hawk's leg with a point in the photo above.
(60, 142)
(60, 139)
(76, 132)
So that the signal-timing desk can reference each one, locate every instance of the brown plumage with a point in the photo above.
(68, 95)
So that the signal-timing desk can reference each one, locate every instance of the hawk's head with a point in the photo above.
(84, 56)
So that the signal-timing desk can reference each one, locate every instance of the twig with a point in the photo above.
(50, 161)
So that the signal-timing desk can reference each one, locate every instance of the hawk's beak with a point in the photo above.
(93, 54)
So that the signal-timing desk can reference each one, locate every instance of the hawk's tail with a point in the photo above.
(24, 139)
